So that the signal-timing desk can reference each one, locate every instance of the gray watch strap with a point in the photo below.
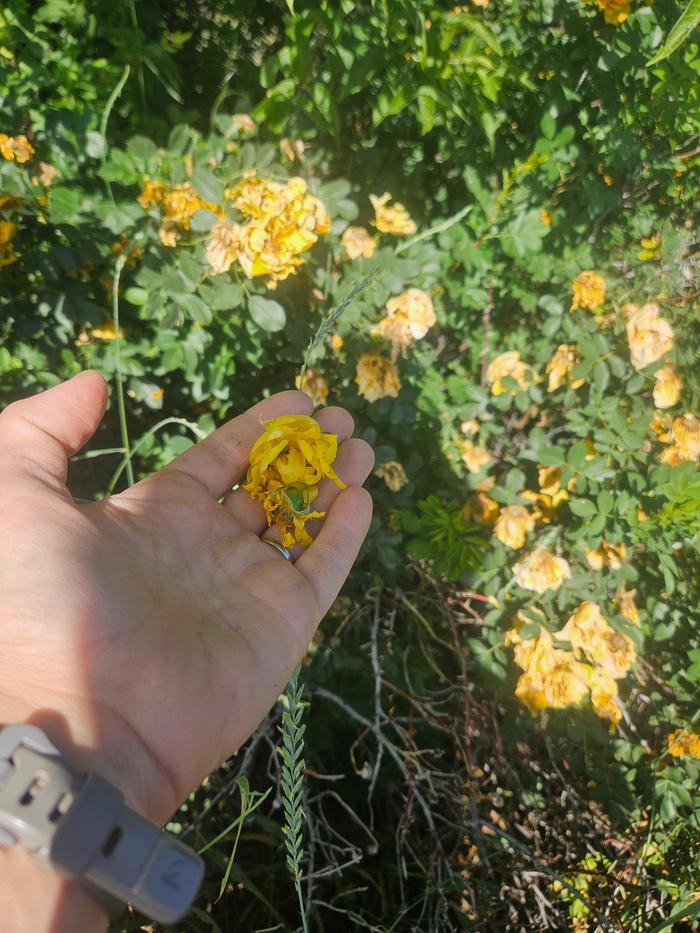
(80, 825)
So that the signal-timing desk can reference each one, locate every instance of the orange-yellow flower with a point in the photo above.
(393, 219)
(357, 242)
(606, 555)
(7, 252)
(152, 193)
(376, 377)
(287, 462)
(507, 364)
(648, 334)
(47, 175)
(315, 386)
(481, 509)
(560, 365)
(588, 291)
(615, 11)
(410, 315)
(393, 475)
(513, 525)
(684, 440)
(15, 148)
(541, 570)
(667, 391)
(545, 217)
(682, 743)
(475, 458)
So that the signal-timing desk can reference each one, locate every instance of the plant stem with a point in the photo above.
(120, 379)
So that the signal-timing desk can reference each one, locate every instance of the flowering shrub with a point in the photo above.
(524, 362)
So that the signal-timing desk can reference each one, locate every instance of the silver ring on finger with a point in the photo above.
(278, 547)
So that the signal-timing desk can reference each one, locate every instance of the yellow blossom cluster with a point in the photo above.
(649, 335)
(282, 221)
(683, 440)
(409, 317)
(507, 364)
(588, 290)
(315, 385)
(15, 148)
(177, 205)
(358, 242)
(287, 462)
(393, 474)
(560, 365)
(682, 743)
(615, 11)
(376, 377)
(555, 678)
(394, 219)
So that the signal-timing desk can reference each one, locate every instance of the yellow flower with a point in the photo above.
(545, 217)
(409, 317)
(47, 174)
(475, 458)
(152, 192)
(589, 632)
(244, 124)
(588, 291)
(480, 508)
(513, 525)
(628, 607)
(376, 377)
(606, 555)
(357, 242)
(470, 426)
(157, 394)
(661, 425)
(315, 386)
(223, 246)
(650, 248)
(648, 334)
(106, 331)
(15, 148)
(7, 252)
(336, 343)
(667, 391)
(604, 696)
(682, 743)
(541, 570)
(393, 475)
(584, 626)
(287, 462)
(684, 440)
(553, 678)
(507, 364)
(394, 219)
(615, 11)
(560, 365)
(292, 149)
(542, 505)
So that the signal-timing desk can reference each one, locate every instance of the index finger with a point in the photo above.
(221, 460)
(327, 562)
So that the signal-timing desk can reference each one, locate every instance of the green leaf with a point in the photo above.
(427, 98)
(267, 314)
(222, 296)
(203, 220)
(584, 508)
(65, 204)
(136, 296)
(95, 144)
(686, 23)
(207, 185)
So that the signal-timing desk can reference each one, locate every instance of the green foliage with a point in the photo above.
(439, 534)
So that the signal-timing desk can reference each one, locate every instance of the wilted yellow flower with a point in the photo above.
(315, 386)
(667, 391)
(475, 458)
(47, 174)
(606, 555)
(223, 246)
(357, 242)
(15, 148)
(545, 217)
(292, 149)
(541, 570)
(287, 462)
(684, 440)
(244, 124)
(615, 11)
(376, 377)
(553, 678)
(513, 525)
(393, 474)
(480, 508)
(394, 219)
(628, 607)
(682, 743)
(588, 291)
(542, 505)
(470, 426)
(507, 364)
(661, 424)
(409, 317)
(589, 631)
(560, 365)
(648, 334)
(584, 626)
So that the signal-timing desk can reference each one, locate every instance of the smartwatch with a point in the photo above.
(79, 825)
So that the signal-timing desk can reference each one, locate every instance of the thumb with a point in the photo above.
(39, 434)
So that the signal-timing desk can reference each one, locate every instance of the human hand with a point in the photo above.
(150, 632)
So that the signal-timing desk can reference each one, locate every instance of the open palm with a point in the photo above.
(154, 629)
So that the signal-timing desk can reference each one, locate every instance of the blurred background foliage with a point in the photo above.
(529, 143)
